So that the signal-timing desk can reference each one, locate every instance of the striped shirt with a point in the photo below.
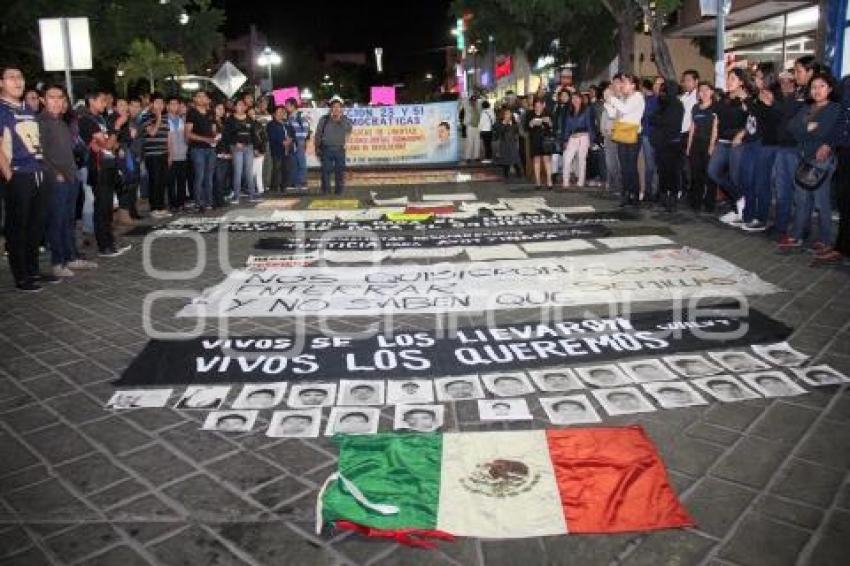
(156, 144)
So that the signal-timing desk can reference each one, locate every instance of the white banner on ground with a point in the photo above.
(617, 243)
(375, 290)
(557, 247)
(451, 197)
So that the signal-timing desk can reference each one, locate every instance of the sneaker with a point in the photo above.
(828, 255)
(731, 218)
(81, 264)
(787, 242)
(108, 252)
(46, 278)
(62, 271)
(28, 287)
(754, 226)
(818, 248)
(123, 248)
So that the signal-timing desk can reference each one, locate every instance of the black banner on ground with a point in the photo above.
(402, 355)
(433, 239)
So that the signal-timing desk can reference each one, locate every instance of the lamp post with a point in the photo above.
(268, 58)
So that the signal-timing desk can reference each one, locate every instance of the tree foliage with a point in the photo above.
(583, 28)
(145, 61)
(113, 25)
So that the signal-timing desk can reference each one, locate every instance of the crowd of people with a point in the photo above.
(101, 161)
(774, 145)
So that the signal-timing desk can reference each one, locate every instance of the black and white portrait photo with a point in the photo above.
(297, 423)
(781, 354)
(418, 418)
(725, 388)
(410, 392)
(645, 371)
(197, 397)
(256, 396)
(772, 384)
(305, 395)
(507, 384)
(503, 410)
(555, 379)
(738, 362)
(230, 421)
(674, 394)
(353, 420)
(356, 392)
(818, 376)
(623, 401)
(458, 388)
(139, 398)
(692, 366)
(570, 409)
(603, 376)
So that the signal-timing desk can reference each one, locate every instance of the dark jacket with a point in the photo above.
(788, 106)
(813, 127)
(582, 122)
(242, 131)
(507, 148)
(57, 146)
(666, 122)
(278, 133)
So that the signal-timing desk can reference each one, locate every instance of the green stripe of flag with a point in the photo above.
(413, 484)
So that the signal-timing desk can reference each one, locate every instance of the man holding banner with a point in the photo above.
(332, 134)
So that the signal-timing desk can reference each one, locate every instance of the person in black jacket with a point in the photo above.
(666, 139)
(842, 179)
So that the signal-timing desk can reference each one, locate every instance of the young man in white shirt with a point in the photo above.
(689, 98)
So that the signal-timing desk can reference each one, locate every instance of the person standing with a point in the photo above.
(332, 134)
(702, 137)
(611, 161)
(576, 136)
(222, 191)
(506, 133)
(842, 180)
(816, 128)
(61, 175)
(156, 155)
(667, 144)
(178, 150)
(301, 128)
(262, 167)
(201, 133)
(22, 175)
(472, 116)
(539, 126)
(280, 144)
(103, 173)
(485, 130)
(626, 107)
(240, 136)
(649, 186)
(689, 98)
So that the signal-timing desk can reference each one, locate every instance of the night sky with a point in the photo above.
(409, 30)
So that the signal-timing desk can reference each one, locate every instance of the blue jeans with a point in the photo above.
(627, 154)
(784, 166)
(203, 165)
(243, 170)
(762, 183)
(61, 218)
(745, 176)
(299, 170)
(805, 200)
(333, 160)
(650, 182)
(724, 168)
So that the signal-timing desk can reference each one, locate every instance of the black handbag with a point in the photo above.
(811, 174)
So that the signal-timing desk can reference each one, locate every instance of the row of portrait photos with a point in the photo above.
(613, 386)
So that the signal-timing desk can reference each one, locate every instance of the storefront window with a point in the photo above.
(756, 32)
(778, 40)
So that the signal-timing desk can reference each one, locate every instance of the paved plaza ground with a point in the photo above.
(765, 480)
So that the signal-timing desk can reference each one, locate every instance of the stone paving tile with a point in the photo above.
(148, 487)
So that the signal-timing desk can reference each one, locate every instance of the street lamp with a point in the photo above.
(268, 58)
(306, 94)
(183, 19)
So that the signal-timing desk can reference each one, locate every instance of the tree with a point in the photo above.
(145, 61)
(655, 14)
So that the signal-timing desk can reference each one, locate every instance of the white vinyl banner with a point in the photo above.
(376, 289)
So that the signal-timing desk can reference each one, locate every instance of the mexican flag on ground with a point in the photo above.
(500, 484)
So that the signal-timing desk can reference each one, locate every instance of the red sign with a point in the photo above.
(504, 67)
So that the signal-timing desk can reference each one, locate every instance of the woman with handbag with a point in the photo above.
(576, 130)
(626, 108)
(540, 129)
(814, 128)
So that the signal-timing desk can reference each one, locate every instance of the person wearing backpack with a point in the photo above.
(332, 134)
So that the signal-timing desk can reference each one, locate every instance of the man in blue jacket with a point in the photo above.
(281, 138)
(301, 130)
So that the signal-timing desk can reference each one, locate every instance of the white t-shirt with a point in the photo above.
(689, 100)
(628, 110)
(485, 122)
